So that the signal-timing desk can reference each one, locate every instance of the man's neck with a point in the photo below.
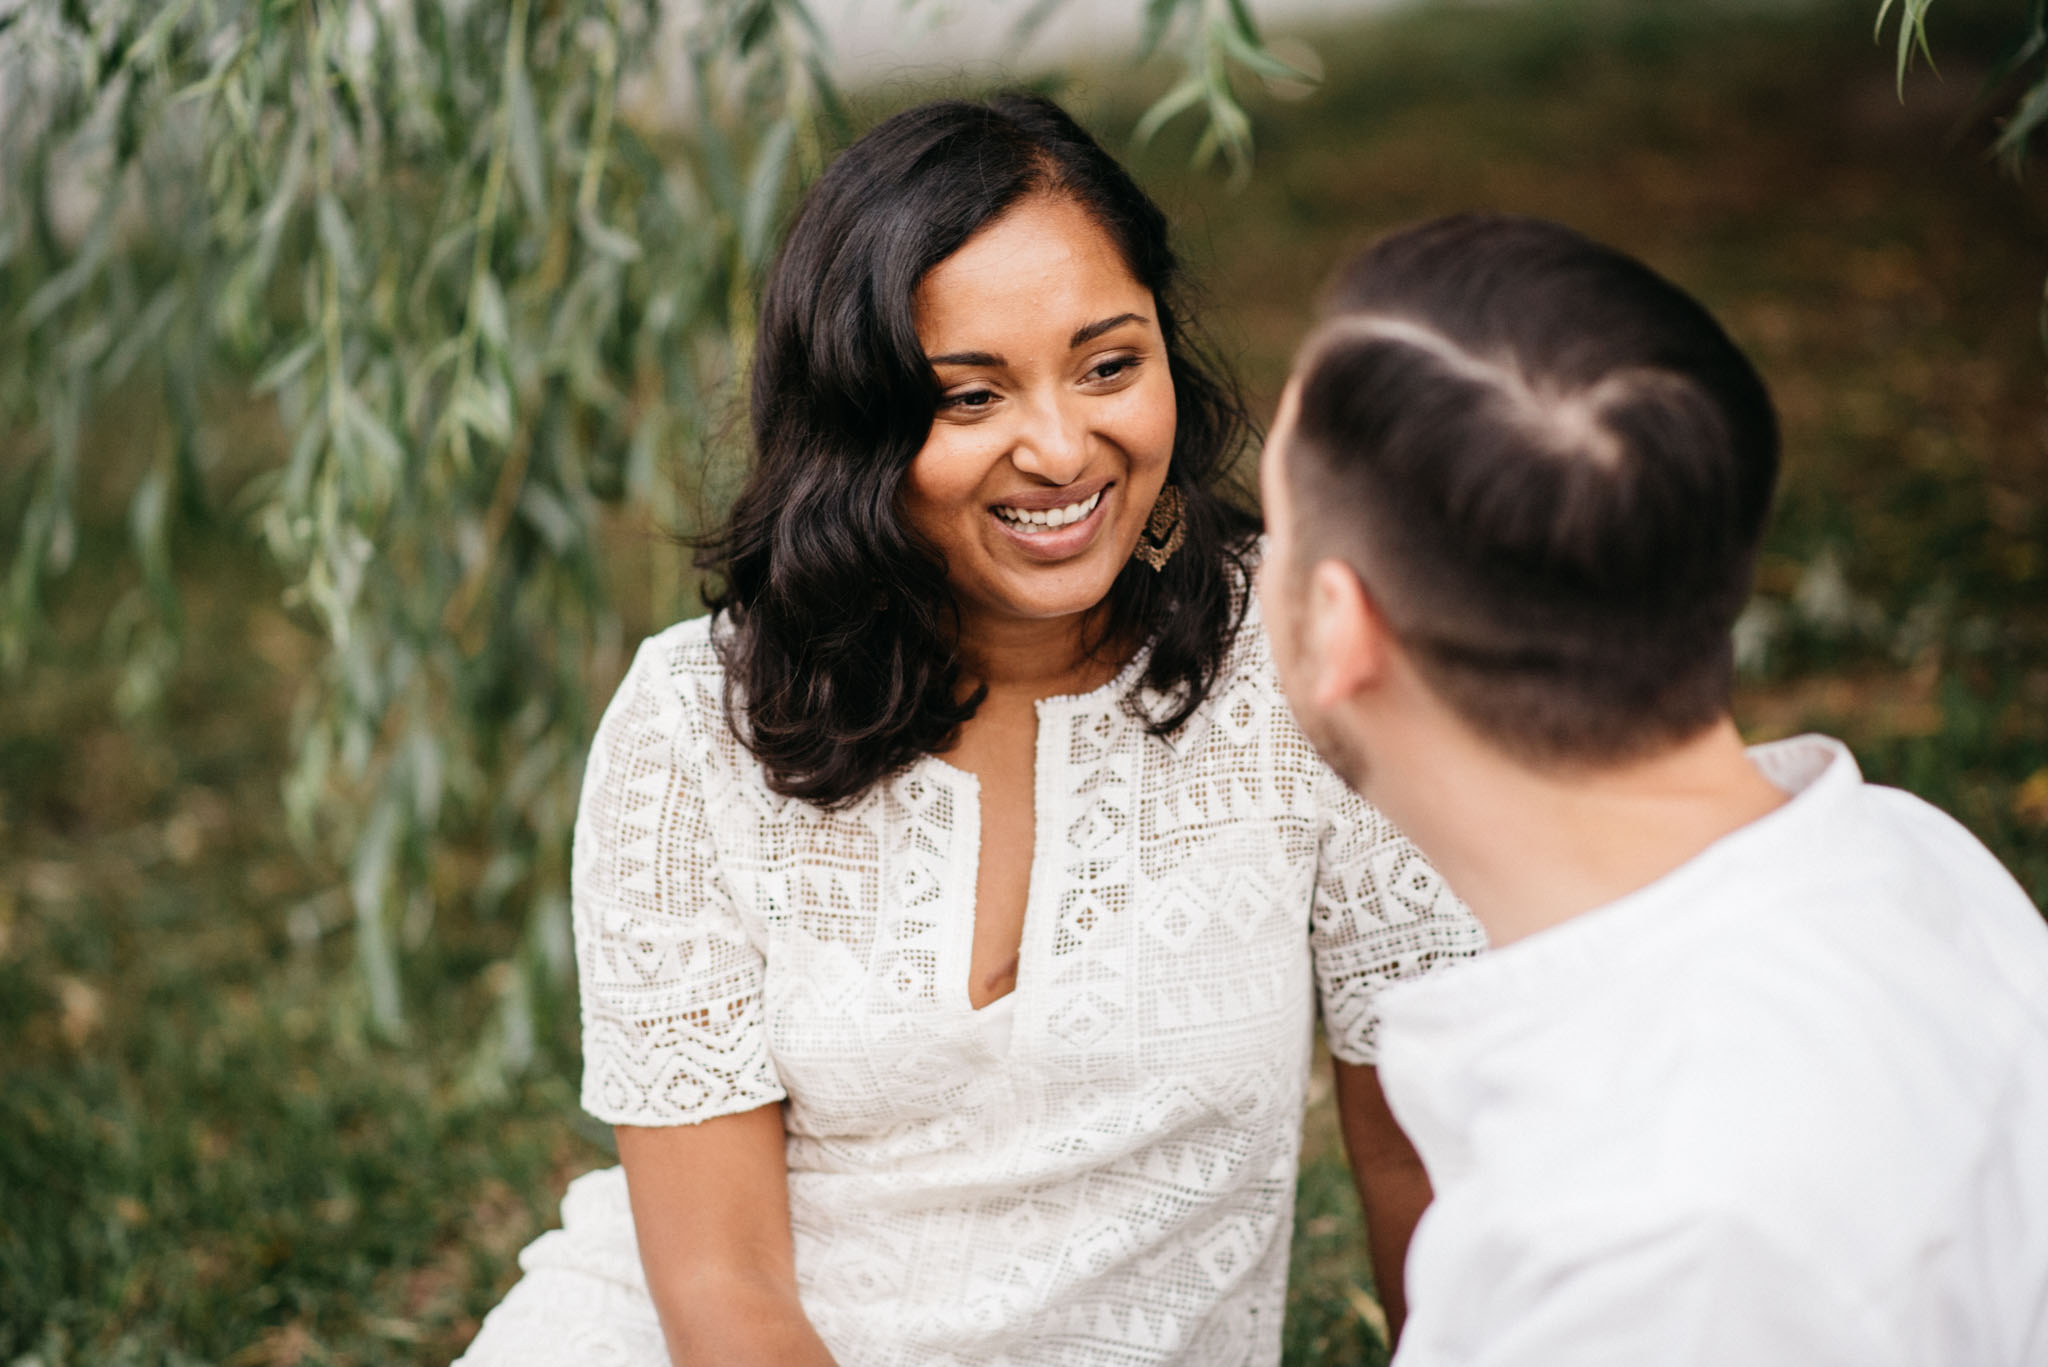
(1528, 850)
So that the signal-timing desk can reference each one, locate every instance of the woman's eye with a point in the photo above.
(1114, 368)
(972, 399)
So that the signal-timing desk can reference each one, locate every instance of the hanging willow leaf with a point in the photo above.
(2029, 112)
(2016, 138)
(607, 240)
(1912, 33)
(524, 131)
(764, 192)
(1184, 96)
(370, 880)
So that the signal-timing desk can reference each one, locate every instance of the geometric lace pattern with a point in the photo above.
(1110, 1181)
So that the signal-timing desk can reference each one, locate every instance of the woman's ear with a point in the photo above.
(1346, 636)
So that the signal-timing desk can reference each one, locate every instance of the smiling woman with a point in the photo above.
(954, 904)
(963, 276)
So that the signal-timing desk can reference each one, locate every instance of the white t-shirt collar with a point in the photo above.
(1817, 772)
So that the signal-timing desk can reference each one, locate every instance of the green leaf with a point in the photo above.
(716, 154)
(1034, 18)
(1189, 93)
(488, 299)
(288, 366)
(753, 21)
(142, 334)
(548, 515)
(379, 442)
(253, 273)
(149, 523)
(485, 408)
(764, 191)
(67, 284)
(337, 237)
(148, 46)
(308, 444)
(370, 871)
(1912, 34)
(799, 13)
(523, 128)
(1158, 18)
(2021, 125)
(606, 240)
(1245, 48)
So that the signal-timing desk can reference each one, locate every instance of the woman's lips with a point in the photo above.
(1041, 542)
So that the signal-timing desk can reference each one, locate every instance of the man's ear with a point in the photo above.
(1347, 637)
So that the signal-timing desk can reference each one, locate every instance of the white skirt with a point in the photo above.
(583, 1301)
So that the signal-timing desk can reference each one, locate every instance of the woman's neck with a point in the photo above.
(1037, 657)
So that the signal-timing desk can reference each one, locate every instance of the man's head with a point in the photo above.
(1526, 473)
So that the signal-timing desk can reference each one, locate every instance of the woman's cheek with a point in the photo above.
(1152, 422)
(945, 478)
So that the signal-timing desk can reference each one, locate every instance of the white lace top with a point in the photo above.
(1100, 1168)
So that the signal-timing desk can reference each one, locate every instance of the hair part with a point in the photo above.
(839, 631)
(1551, 468)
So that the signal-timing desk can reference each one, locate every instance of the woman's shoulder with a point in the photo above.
(686, 650)
(1245, 686)
(1248, 682)
(675, 673)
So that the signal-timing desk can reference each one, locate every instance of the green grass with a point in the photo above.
(204, 1157)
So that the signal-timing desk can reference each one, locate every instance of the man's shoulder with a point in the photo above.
(1901, 893)
(1784, 1009)
(1879, 1015)
(1897, 925)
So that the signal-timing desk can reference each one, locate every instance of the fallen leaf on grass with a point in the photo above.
(500, 1222)
(184, 839)
(51, 880)
(337, 1210)
(1366, 1308)
(404, 1331)
(287, 1345)
(2030, 800)
(83, 1010)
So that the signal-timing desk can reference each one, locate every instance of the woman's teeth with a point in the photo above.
(1050, 517)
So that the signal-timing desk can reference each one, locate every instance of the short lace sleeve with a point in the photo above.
(1382, 914)
(673, 1032)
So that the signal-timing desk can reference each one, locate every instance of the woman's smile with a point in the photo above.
(1053, 524)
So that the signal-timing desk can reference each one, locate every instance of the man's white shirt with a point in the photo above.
(1786, 1105)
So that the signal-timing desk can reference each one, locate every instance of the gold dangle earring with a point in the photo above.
(1164, 530)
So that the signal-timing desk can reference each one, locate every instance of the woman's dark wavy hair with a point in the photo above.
(838, 632)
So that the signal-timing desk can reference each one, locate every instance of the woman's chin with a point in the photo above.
(1041, 590)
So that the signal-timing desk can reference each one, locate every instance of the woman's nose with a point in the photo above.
(1053, 443)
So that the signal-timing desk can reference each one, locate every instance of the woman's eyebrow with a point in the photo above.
(1083, 336)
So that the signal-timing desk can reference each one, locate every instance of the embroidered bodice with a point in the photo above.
(1100, 1167)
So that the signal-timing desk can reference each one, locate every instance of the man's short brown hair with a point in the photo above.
(1550, 467)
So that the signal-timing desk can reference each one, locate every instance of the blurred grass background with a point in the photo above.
(204, 1157)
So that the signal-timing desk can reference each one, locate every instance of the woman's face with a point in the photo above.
(1056, 416)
